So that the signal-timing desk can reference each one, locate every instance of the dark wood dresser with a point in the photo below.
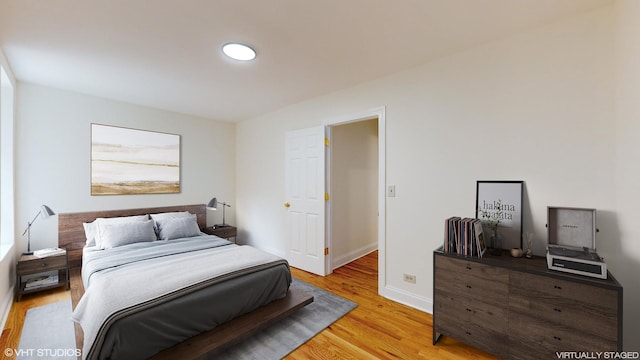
(516, 308)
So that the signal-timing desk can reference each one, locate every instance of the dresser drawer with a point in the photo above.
(545, 286)
(472, 280)
(535, 338)
(477, 335)
(466, 310)
(41, 265)
(581, 307)
(478, 271)
(598, 320)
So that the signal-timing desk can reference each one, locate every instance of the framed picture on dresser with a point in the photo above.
(499, 203)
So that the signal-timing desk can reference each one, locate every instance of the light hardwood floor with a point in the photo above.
(377, 329)
(10, 337)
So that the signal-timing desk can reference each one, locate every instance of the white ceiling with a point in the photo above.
(166, 53)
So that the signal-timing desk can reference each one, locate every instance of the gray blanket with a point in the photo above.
(95, 260)
(153, 276)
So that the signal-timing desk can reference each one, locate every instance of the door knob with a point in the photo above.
(287, 205)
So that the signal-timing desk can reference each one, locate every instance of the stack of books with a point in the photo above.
(40, 282)
(48, 252)
(463, 237)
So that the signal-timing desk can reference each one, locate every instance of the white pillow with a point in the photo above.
(90, 230)
(177, 228)
(119, 234)
(94, 227)
(160, 219)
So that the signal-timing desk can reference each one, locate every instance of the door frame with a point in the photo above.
(374, 113)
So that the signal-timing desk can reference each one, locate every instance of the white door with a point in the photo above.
(305, 199)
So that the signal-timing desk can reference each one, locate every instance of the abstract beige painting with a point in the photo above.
(131, 161)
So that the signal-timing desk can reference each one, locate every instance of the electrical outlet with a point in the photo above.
(391, 191)
(409, 278)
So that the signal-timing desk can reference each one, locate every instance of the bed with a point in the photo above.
(174, 297)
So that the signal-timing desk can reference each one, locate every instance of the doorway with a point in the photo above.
(353, 180)
(298, 233)
(379, 115)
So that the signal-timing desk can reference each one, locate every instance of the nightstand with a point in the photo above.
(224, 232)
(30, 266)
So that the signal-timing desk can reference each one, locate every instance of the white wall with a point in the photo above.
(536, 106)
(7, 256)
(627, 184)
(354, 191)
(53, 144)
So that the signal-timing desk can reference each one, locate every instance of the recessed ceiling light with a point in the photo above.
(239, 51)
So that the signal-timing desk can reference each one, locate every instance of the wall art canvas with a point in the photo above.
(131, 161)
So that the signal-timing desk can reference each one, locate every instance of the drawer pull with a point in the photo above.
(468, 310)
(43, 264)
(468, 333)
(468, 267)
(468, 286)
(557, 310)
(557, 338)
(557, 287)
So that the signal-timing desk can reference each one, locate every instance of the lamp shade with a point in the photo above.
(213, 204)
(46, 212)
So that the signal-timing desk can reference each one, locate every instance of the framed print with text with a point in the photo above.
(501, 203)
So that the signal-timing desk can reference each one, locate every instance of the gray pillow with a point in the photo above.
(91, 229)
(181, 227)
(161, 218)
(119, 234)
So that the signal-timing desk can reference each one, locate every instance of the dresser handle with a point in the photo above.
(557, 338)
(468, 267)
(468, 333)
(468, 286)
(468, 310)
(557, 287)
(43, 264)
(557, 310)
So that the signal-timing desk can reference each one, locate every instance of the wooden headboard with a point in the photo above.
(71, 231)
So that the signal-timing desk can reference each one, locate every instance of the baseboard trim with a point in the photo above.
(407, 298)
(5, 307)
(353, 255)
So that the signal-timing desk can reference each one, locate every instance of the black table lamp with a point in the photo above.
(213, 205)
(44, 212)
